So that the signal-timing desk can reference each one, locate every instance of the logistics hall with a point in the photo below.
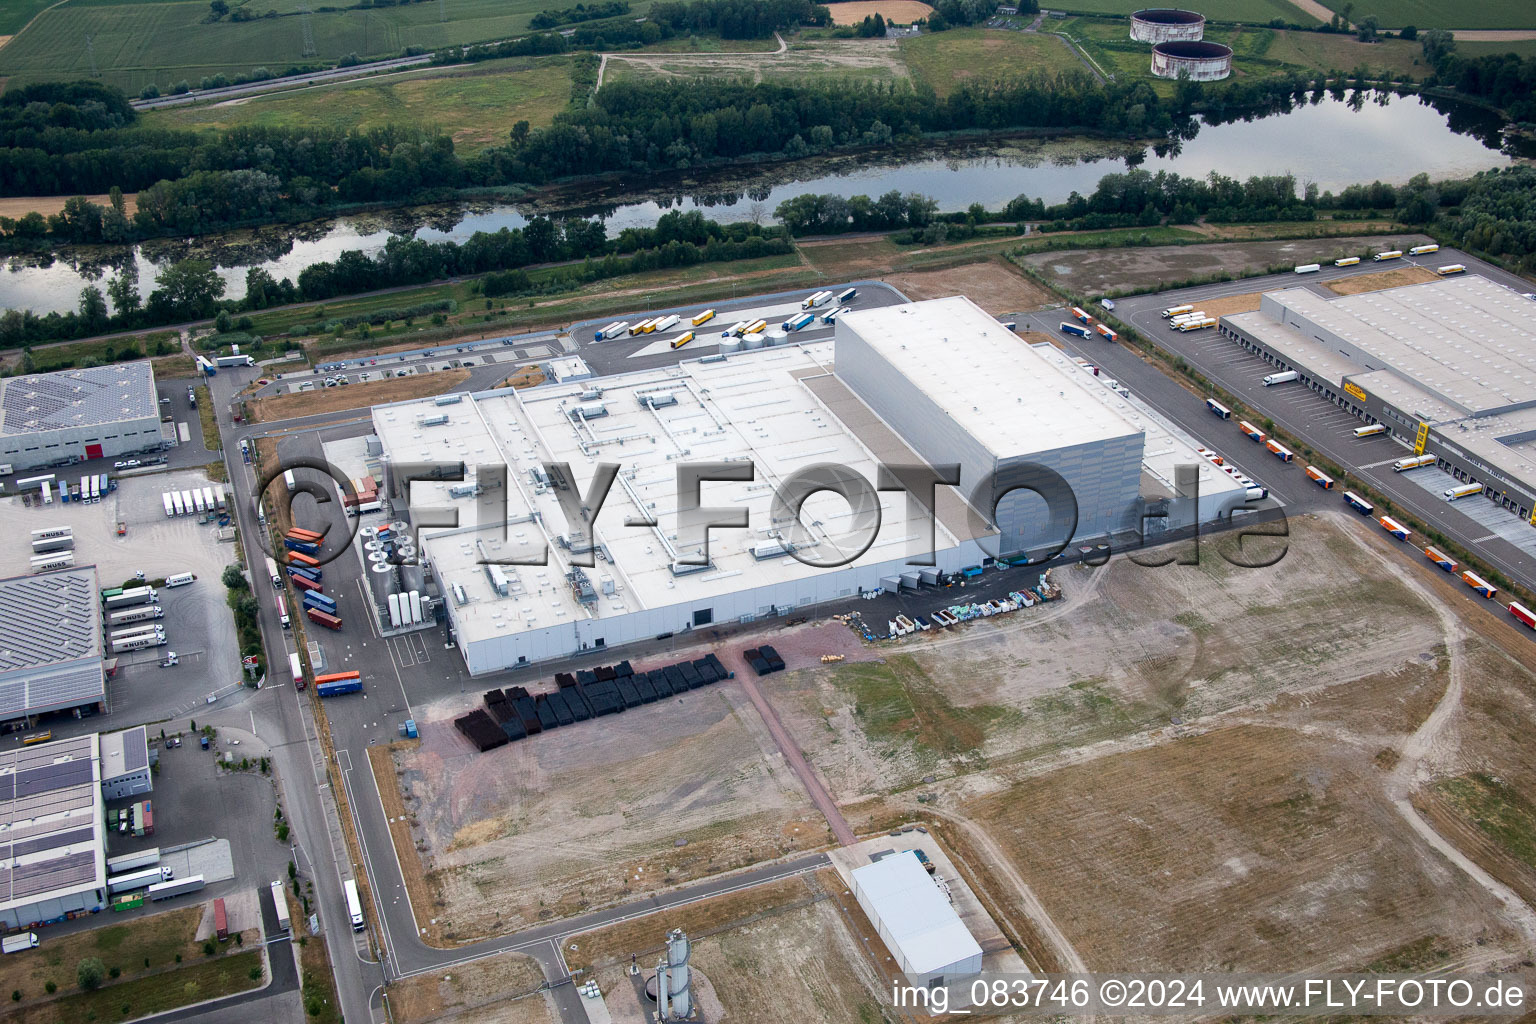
(924, 383)
(1448, 366)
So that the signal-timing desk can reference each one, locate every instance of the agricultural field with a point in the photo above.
(476, 105)
(1450, 14)
(1476, 48)
(162, 43)
(1253, 12)
(809, 60)
(14, 14)
(900, 12)
(946, 59)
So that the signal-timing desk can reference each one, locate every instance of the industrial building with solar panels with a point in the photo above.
(936, 382)
(50, 644)
(52, 832)
(71, 415)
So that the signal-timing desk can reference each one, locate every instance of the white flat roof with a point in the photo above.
(754, 407)
(1465, 339)
(915, 914)
(998, 389)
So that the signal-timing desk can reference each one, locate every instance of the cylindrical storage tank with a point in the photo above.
(730, 346)
(777, 336)
(413, 578)
(1203, 62)
(394, 611)
(752, 341)
(1163, 25)
(415, 606)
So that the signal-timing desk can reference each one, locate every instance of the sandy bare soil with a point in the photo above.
(593, 814)
(1386, 279)
(495, 988)
(994, 286)
(354, 396)
(902, 12)
(1096, 271)
(823, 57)
(1232, 304)
(19, 206)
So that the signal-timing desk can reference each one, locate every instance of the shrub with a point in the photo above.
(50, 987)
(90, 972)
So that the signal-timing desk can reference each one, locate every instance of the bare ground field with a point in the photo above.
(17, 207)
(1232, 304)
(503, 989)
(586, 816)
(354, 396)
(1096, 271)
(1386, 279)
(821, 58)
(993, 285)
(746, 948)
(902, 12)
(1128, 649)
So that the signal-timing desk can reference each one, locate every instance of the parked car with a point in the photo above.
(364, 377)
(119, 465)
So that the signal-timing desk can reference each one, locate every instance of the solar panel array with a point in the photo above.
(50, 642)
(78, 398)
(49, 825)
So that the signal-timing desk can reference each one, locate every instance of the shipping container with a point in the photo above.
(1252, 432)
(302, 546)
(1217, 408)
(304, 583)
(133, 861)
(296, 670)
(1413, 462)
(1477, 583)
(1462, 491)
(170, 509)
(339, 687)
(299, 558)
(1320, 478)
(316, 599)
(296, 533)
(1173, 311)
(1395, 528)
(1279, 451)
(280, 904)
(1081, 315)
(1441, 559)
(277, 580)
(1281, 378)
(321, 618)
(1522, 614)
(699, 319)
(297, 571)
(179, 887)
(1077, 330)
(337, 677)
(1347, 261)
(176, 503)
(1420, 250)
(354, 905)
(1371, 431)
(1358, 503)
(1107, 333)
(220, 920)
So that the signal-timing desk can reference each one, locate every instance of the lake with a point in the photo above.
(1333, 143)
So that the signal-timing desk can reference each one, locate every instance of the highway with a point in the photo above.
(1295, 408)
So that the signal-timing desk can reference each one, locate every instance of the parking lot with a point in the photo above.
(198, 624)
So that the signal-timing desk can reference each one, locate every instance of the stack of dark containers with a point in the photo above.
(763, 659)
(481, 729)
(604, 690)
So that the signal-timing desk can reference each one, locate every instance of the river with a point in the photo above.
(1333, 143)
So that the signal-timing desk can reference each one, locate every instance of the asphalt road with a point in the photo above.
(1301, 412)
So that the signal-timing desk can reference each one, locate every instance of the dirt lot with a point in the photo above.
(495, 989)
(1126, 270)
(745, 946)
(1386, 279)
(814, 59)
(902, 12)
(354, 396)
(594, 814)
(992, 285)
(1231, 304)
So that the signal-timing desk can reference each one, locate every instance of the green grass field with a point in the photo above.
(477, 105)
(1254, 12)
(138, 43)
(1443, 13)
(1523, 47)
(14, 14)
(946, 59)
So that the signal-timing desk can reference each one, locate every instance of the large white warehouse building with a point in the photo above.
(52, 841)
(93, 413)
(939, 382)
